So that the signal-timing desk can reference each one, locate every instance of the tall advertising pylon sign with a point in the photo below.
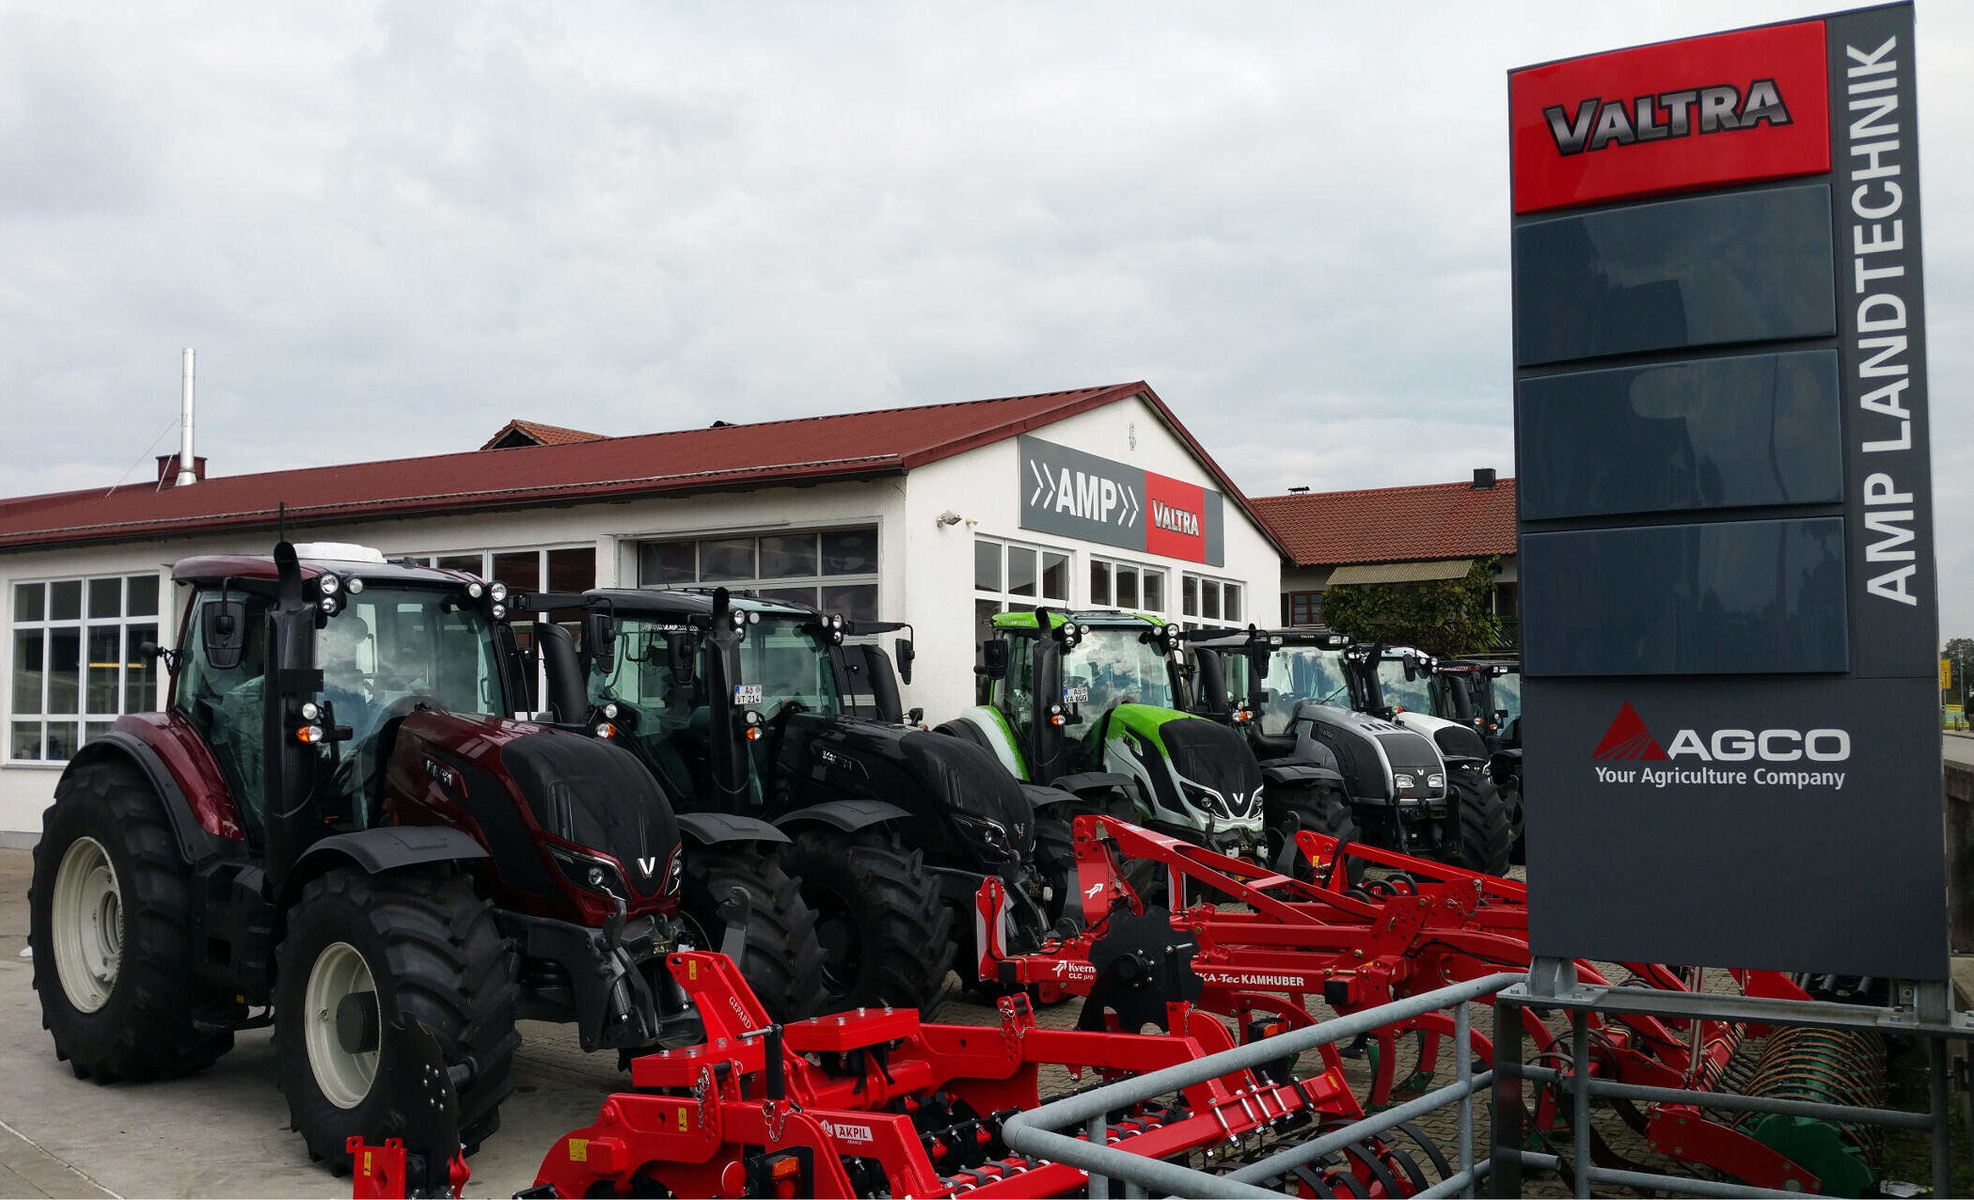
(1729, 617)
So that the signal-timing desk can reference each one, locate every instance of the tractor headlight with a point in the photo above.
(986, 832)
(677, 875)
(498, 591)
(356, 587)
(590, 874)
(328, 584)
(1404, 782)
(1206, 798)
(328, 605)
(1435, 782)
(475, 590)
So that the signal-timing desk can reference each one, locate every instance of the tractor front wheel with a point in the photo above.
(783, 961)
(887, 938)
(362, 949)
(111, 919)
(1482, 839)
(1319, 810)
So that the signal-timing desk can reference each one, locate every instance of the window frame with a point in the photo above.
(817, 581)
(1004, 600)
(1220, 583)
(1314, 600)
(83, 625)
(1110, 564)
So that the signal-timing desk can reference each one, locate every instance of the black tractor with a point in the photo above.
(1488, 697)
(1313, 698)
(751, 708)
(336, 827)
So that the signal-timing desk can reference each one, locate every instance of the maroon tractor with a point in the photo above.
(336, 827)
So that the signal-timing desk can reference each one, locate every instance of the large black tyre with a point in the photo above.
(1323, 810)
(137, 1023)
(430, 947)
(886, 937)
(1482, 840)
(783, 962)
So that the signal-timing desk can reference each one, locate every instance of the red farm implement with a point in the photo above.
(874, 1102)
(1409, 926)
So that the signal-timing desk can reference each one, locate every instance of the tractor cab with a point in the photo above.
(1095, 703)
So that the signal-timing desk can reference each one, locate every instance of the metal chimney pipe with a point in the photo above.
(185, 472)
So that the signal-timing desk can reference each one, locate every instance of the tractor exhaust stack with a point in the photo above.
(186, 473)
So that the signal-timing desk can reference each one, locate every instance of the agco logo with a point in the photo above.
(1628, 739)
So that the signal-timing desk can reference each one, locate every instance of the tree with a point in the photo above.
(1960, 653)
(1443, 617)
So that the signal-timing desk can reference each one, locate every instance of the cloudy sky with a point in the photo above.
(389, 228)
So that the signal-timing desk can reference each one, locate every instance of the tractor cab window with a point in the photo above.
(1298, 673)
(1111, 666)
(1507, 691)
(1238, 671)
(672, 720)
(1018, 692)
(389, 651)
(224, 702)
(1412, 695)
(787, 661)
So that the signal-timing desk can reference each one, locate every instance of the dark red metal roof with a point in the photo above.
(725, 457)
(1395, 524)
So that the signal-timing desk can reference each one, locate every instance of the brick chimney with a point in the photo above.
(168, 469)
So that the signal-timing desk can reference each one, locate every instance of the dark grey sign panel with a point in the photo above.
(1882, 342)
(1733, 267)
(1722, 598)
(1737, 432)
(1094, 499)
(1729, 615)
(1743, 822)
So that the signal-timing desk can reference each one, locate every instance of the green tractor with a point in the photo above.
(1092, 704)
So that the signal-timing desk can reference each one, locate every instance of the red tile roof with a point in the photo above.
(522, 433)
(805, 450)
(1395, 524)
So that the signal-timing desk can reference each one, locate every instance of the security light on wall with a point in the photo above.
(948, 519)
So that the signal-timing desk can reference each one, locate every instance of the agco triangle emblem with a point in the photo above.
(1628, 738)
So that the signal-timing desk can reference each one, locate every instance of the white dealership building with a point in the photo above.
(937, 515)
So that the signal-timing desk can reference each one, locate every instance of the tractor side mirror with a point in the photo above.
(1258, 659)
(600, 640)
(904, 652)
(678, 657)
(1411, 669)
(223, 630)
(994, 659)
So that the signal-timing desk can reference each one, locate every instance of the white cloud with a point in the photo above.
(390, 227)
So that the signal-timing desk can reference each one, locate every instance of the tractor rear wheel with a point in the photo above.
(783, 962)
(1320, 810)
(1482, 838)
(887, 938)
(111, 917)
(361, 949)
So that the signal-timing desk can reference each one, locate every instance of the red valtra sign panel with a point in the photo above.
(1679, 116)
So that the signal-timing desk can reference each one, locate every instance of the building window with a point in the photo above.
(567, 569)
(1010, 577)
(1135, 586)
(1204, 601)
(832, 570)
(76, 661)
(1303, 608)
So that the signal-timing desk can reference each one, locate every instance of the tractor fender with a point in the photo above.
(1041, 796)
(847, 816)
(984, 726)
(1085, 782)
(386, 848)
(194, 841)
(1298, 775)
(713, 829)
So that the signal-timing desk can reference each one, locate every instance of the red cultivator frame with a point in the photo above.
(875, 1103)
(1412, 926)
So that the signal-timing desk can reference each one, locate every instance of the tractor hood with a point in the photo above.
(927, 774)
(1216, 771)
(1453, 739)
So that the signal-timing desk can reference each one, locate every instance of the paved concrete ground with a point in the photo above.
(1959, 747)
(224, 1132)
